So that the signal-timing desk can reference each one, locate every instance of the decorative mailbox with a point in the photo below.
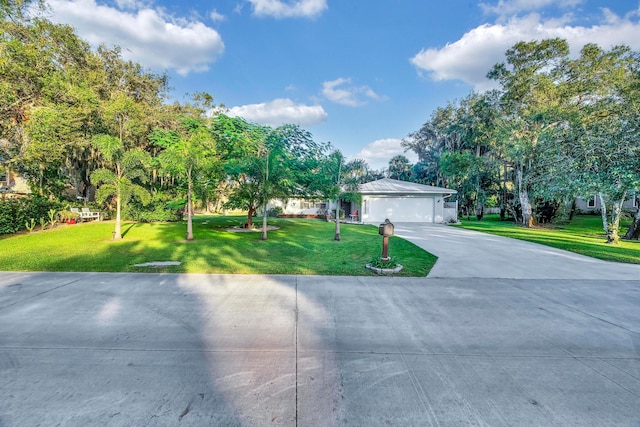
(386, 228)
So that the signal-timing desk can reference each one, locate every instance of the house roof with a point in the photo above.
(393, 186)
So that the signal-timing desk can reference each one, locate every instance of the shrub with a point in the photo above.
(378, 262)
(274, 211)
(15, 213)
(160, 209)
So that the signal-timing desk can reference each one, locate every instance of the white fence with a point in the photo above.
(450, 212)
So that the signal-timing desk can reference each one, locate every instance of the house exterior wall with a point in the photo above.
(450, 211)
(14, 183)
(593, 204)
(298, 206)
(420, 208)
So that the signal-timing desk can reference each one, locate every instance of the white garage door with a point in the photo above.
(400, 209)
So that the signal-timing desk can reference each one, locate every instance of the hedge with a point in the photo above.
(16, 211)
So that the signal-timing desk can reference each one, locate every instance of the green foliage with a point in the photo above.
(66, 215)
(378, 262)
(159, 209)
(274, 212)
(277, 163)
(352, 196)
(557, 128)
(12, 216)
(16, 212)
(30, 225)
(52, 216)
(400, 168)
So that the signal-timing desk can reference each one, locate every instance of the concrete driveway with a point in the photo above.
(99, 349)
(466, 253)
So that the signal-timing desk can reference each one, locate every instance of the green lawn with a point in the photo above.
(299, 247)
(584, 235)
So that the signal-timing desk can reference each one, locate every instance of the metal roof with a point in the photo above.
(393, 186)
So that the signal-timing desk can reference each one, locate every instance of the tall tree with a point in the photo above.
(400, 168)
(242, 148)
(605, 142)
(530, 100)
(118, 178)
(189, 154)
(46, 88)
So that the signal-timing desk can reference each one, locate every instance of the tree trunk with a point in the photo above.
(189, 211)
(117, 233)
(264, 223)
(611, 228)
(337, 235)
(525, 204)
(634, 229)
(503, 199)
(572, 211)
(41, 180)
(252, 210)
(613, 236)
(603, 214)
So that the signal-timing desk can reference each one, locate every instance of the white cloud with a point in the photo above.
(130, 4)
(341, 91)
(215, 16)
(288, 9)
(378, 153)
(470, 58)
(146, 35)
(512, 7)
(280, 111)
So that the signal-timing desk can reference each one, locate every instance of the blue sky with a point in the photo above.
(360, 74)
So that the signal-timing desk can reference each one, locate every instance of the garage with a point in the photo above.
(401, 201)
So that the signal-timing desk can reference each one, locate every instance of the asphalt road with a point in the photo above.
(93, 349)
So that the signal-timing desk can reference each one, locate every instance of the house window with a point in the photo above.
(311, 204)
(592, 202)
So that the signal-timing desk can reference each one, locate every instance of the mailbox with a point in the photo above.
(386, 229)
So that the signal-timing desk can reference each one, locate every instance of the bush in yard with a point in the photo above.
(16, 212)
(160, 209)
(274, 211)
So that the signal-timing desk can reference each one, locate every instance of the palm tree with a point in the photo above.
(116, 179)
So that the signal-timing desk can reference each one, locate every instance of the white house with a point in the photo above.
(300, 206)
(401, 201)
(593, 203)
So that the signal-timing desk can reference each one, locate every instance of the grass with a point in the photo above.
(584, 235)
(299, 247)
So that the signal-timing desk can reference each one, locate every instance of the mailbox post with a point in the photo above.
(385, 230)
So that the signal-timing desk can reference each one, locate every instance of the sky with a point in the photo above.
(361, 74)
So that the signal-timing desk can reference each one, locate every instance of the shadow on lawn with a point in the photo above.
(298, 247)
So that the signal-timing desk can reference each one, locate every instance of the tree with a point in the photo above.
(336, 163)
(241, 145)
(400, 168)
(46, 88)
(189, 154)
(292, 162)
(266, 164)
(117, 179)
(530, 100)
(603, 138)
